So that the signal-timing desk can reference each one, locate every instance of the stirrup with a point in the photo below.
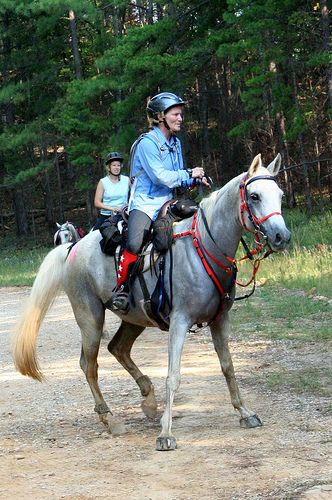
(119, 302)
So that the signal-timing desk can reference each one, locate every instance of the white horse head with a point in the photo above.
(66, 233)
(262, 197)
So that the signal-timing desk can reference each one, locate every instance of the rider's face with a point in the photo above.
(114, 167)
(174, 118)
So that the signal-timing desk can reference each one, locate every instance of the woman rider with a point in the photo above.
(112, 190)
(157, 166)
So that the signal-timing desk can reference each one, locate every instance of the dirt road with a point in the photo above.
(53, 446)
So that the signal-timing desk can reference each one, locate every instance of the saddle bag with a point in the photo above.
(183, 208)
(112, 236)
(162, 235)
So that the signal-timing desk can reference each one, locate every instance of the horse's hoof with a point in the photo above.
(115, 425)
(251, 422)
(165, 443)
(149, 405)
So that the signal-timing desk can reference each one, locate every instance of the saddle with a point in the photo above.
(114, 229)
(157, 305)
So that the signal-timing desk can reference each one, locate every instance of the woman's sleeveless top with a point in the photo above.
(115, 193)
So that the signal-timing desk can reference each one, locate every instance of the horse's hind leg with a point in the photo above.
(90, 318)
(220, 331)
(120, 346)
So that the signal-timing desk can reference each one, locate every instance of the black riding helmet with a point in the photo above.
(161, 103)
(113, 156)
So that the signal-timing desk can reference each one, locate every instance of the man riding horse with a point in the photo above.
(157, 167)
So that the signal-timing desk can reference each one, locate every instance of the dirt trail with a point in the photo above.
(53, 446)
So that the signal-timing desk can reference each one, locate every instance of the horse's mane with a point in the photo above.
(210, 201)
(230, 188)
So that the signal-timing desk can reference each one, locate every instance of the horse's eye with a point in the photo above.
(254, 197)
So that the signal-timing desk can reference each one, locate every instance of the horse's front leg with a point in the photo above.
(220, 331)
(178, 330)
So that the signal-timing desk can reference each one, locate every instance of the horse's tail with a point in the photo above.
(46, 287)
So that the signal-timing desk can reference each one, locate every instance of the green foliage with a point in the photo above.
(31, 172)
(241, 129)
(239, 65)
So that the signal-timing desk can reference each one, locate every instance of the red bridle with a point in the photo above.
(245, 206)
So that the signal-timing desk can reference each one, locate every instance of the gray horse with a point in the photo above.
(203, 289)
(66, 233)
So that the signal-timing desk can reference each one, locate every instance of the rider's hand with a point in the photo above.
(197, 172)
(205, 182)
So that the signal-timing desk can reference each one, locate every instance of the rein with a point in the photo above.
(231, 269)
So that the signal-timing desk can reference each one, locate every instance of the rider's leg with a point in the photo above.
(139, 225)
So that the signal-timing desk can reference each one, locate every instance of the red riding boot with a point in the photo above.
(119, 302)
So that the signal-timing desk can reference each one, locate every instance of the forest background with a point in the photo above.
(76, 76)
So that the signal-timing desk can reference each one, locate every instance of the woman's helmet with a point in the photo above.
(161, 103)
(113, 156)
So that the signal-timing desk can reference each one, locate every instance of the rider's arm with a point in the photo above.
(149, 155)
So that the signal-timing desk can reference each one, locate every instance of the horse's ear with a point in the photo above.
(255, 165)
(58, 225)
(274, 166)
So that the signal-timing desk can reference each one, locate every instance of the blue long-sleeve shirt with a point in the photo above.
(157, 166)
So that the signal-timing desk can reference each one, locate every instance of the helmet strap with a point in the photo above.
(165, 123)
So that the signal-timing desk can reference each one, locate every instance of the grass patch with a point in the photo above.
(309, 232)
(307, 269)
(279, 314)
(19, 267)
(308, 380)
(307, 263)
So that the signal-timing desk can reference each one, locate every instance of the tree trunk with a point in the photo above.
(306, 181)
(75, 46)
(58, 174)
(160, 14)
(20, 211)
(48, 201)
(89, 198)
(203, 119)
(281, 133)
(90, 208)
(325, 22)
(8, 114)
(150, 12)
